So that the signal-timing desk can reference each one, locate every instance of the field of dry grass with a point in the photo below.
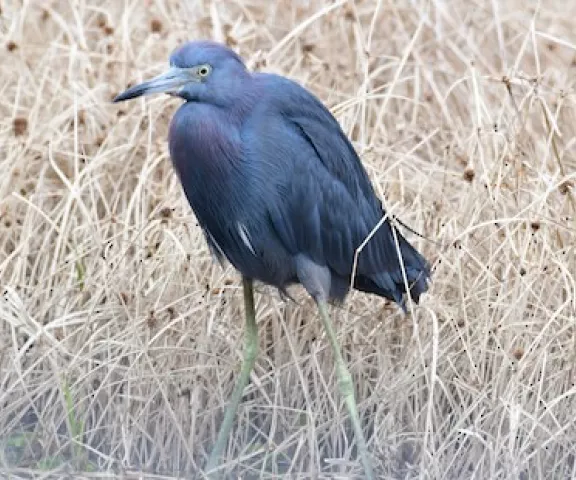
(120, 338)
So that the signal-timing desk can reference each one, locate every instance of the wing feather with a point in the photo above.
(328, 205)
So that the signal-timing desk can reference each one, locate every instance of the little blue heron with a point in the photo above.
(279, 192)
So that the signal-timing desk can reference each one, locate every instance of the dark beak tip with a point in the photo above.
(121, 97)
(129, 94)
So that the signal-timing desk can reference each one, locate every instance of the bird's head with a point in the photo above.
(200, 71)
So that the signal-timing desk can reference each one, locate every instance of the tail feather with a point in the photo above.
(391, 284)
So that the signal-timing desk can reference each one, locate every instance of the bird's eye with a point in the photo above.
(204, 70)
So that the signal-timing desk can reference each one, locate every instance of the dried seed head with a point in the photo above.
(565, 187)
(349, 14)
(20, 126)
(155, 25)
(469, 174)
(166, 212)
(101, 21)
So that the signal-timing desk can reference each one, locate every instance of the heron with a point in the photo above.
(281, 194)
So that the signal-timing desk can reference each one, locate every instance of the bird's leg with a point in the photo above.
(250, 352)
(346, 388)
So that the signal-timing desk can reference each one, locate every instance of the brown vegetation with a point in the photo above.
(120, 338)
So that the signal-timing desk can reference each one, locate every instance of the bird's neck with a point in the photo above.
(242, 95)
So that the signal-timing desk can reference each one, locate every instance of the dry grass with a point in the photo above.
(120, 339)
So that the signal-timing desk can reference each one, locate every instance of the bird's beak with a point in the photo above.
(169, 82)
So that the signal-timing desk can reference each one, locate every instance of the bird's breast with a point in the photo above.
(206, 150)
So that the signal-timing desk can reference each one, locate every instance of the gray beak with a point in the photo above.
(168, 82)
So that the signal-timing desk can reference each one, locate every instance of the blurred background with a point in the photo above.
(121, 338)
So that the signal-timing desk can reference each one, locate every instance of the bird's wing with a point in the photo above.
(323, 132)
(327, 207)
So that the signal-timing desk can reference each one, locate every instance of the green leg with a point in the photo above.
(346, 388)
(250, 352)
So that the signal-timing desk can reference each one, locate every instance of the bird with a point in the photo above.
(281, 194)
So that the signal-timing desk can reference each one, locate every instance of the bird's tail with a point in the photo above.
(416, 267)
(390, 284)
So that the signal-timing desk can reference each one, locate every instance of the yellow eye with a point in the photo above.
(204, 70)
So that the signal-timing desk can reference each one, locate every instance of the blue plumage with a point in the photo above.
(271, 175)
